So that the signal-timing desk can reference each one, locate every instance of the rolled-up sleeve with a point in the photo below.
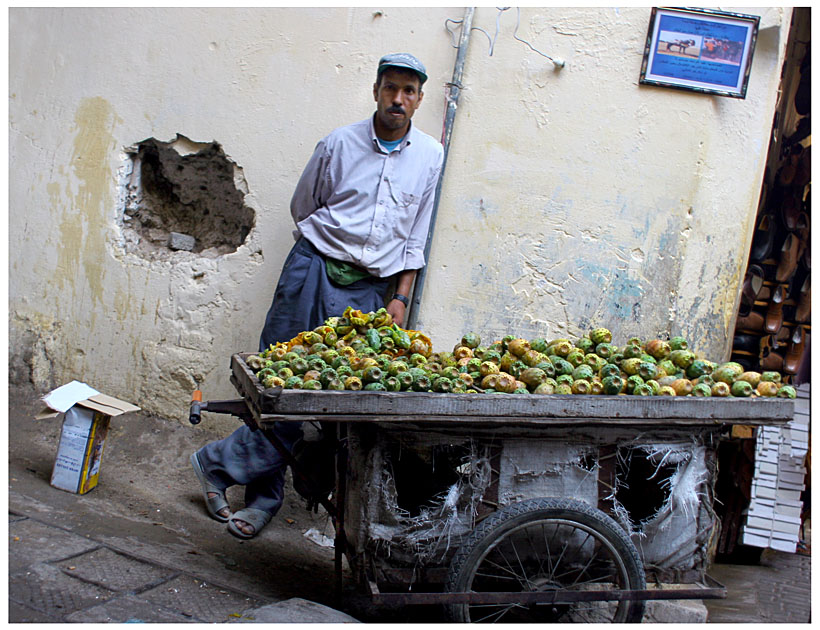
(312, 188)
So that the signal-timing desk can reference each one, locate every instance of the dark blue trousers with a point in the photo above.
(305, 297)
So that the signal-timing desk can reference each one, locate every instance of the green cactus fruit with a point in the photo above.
(698, 368)
(596, 387)
(547, 367)
(727, 372)
(539, 344)
(666, 390)
(273, 381)
(605, 350)
(721, 389)
(682, 358)
(613, 384)
(562, 366)
(533, 377)
(312, 385)
(327, 375)
(353, 383)
(375, 387)
(584, 372)
(658, 349)
(678, 343)
(741, 389)
(335, 384)
(576, 357)
(767, 388)
(594, 361)
(600, 335)
(563, 389)
(654, 386)
(751, 377)
(642, 390)
(299, 366)
(421, 384)
(631, 366)
(564, 379)
(561, 348)
(585, 343)
(531, 358)
(769, 375)
(647, 371)
(668, 367)
(471, 340)
(632, 382)
(706, 379)
(545, 388)
(610, 369)
(702, 390)
(787, 391)
(631, 351)
(294, 382)
(581, 386)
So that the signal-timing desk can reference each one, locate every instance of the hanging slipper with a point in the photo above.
(253, 517)
(215, 503)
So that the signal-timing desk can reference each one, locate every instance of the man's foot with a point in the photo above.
(215, 501)
(248, 523)
(225, 512)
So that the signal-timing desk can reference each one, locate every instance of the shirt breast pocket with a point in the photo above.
(408, 200)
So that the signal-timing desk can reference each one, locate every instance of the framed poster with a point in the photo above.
(700, 50)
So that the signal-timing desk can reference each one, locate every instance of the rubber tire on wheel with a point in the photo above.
(605, 552)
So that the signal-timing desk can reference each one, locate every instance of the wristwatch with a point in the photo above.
(401, 298)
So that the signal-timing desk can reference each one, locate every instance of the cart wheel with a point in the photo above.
(542, 545)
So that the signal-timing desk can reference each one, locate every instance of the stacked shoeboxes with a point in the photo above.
(773, 518)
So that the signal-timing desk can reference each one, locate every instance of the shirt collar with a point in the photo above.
(407, 140)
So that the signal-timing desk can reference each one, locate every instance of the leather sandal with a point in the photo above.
(771, 360)
(794, 354)
(763, 240)
(253, 517)
(803, 311)
(215, 503)
(788, 258)
(752, 284)
(752, 322)
(774, 314)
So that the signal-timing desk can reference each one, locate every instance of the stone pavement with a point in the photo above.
(140, 548)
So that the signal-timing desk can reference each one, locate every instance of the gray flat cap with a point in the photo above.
(404, 60)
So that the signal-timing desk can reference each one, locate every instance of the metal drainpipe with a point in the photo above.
(449, 118)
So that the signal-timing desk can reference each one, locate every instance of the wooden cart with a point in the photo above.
(506, 540)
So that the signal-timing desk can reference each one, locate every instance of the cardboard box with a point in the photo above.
(87, 414)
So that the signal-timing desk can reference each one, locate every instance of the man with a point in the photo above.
(362, 210)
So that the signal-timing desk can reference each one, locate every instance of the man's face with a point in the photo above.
(398, 96)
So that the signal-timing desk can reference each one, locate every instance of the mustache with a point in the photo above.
(396, 109)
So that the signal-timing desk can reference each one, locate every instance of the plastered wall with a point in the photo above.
(571, 198)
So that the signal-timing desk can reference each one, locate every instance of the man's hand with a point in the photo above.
(397, 311)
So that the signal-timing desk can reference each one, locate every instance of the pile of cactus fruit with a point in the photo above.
(367, 351)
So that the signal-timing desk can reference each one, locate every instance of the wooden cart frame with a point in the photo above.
(479, 414)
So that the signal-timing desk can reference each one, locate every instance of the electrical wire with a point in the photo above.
(558, 63)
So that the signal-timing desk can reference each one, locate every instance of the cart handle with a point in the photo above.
(195, 416)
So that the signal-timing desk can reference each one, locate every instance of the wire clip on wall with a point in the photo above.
(556, 61)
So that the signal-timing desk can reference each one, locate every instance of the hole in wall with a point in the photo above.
(643, 486)
(183, 196)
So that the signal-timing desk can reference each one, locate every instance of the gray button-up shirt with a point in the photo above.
(359, 204)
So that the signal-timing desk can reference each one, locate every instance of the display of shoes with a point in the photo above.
(773, 322)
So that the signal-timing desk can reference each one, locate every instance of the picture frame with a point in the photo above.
(700, 50)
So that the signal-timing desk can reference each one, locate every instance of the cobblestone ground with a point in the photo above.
(778, 590)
